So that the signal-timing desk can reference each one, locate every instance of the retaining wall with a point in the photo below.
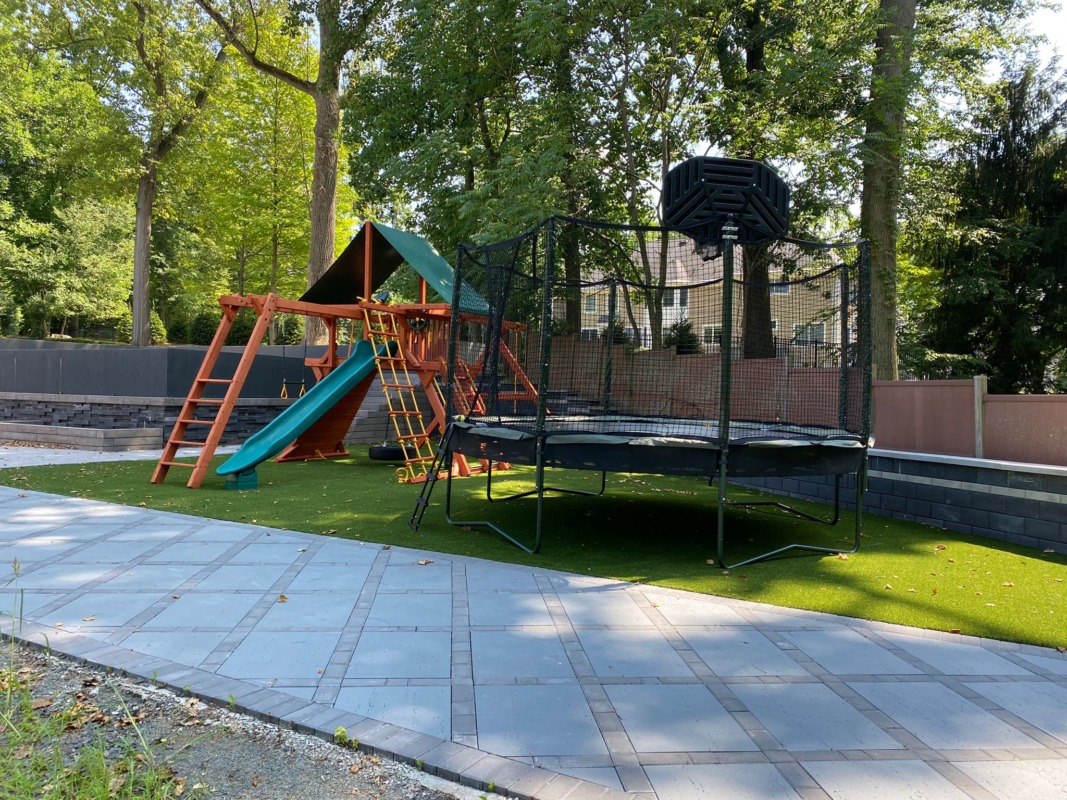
(1013, 502)
(124, 413)
(107, 440)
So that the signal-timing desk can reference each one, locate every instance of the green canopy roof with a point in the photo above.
(343, 282)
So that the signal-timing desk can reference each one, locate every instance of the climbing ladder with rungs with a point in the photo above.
(467, 399)
(191, 418)
(383, 330)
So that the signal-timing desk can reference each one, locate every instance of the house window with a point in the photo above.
(809, 333)
(590, 334)
(779, 288)
(590, 303)
(713, 334)
(673, 296)
(774, 325)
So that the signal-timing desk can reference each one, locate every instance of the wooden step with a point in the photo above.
(177, 464)
(196, 421)
(214, 380)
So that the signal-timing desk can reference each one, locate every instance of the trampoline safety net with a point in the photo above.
(591, 328)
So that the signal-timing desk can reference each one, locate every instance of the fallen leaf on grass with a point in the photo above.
(93, 680)
(1049, 551)
(911, 590)
(1007, 583)
(23, 752)
(889, 586)
(935, 590)
(141, 505)
(1061, 649)
(842, 556)
(255, 779)
(179, 786)
(115, 784)
(940, 547)
(354, 769)
(954, 630)
(41, 702)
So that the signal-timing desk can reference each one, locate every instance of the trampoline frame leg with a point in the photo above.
(556, 489)
(539, 490)
(861, 479)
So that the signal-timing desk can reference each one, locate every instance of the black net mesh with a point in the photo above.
(596, 329)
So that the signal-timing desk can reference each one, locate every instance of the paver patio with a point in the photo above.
(548, 685)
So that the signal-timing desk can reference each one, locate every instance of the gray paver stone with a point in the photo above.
(503, 772)
(449, 759)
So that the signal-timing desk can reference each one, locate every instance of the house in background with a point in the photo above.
(801, 321)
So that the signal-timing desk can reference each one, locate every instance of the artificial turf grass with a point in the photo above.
(649, 529)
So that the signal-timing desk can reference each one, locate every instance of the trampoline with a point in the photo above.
(660, 351)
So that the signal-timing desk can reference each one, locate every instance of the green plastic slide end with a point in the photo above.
(239, 481)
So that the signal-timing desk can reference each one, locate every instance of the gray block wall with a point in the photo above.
(1020, 503)
(114, 413)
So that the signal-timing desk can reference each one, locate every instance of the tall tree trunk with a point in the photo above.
(147, 185)
(323, 193)
(880, 197)
(274, 265)
(757, 338)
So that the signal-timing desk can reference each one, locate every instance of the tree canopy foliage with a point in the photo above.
(193, 174)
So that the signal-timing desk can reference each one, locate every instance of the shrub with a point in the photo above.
(242, 327)
(202, 328)
(616, 332)
(682, 338)
(289, 329)
(178, 331)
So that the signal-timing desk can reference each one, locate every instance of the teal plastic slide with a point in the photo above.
(304, 413)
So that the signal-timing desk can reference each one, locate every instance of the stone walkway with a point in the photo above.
(542, 684)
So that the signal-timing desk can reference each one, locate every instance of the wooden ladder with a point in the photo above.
(216, 422)
(467, 399)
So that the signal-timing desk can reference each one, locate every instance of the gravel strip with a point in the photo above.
(220, 754)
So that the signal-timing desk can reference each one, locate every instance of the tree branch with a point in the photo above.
(158, 84)
(249, 54)
(171, 138)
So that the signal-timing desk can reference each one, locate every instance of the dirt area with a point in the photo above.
(214, 753)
